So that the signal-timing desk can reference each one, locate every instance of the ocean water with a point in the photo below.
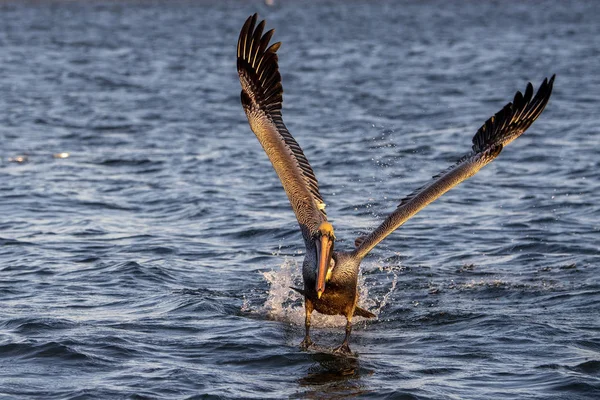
(153, 260)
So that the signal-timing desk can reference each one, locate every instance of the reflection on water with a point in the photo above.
(333, 377)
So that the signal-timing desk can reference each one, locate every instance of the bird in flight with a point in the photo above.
(330, 275)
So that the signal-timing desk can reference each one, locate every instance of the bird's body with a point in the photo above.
(341, 294)
(331, 276)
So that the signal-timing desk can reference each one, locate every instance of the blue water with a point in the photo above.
(154, 260)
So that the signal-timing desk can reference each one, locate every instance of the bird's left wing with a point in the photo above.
(262, 96)
(498, 131)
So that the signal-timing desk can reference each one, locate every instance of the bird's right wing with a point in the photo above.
(262, 96)
(498, 131)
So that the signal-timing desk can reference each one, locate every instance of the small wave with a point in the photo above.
(591, 367)
(104, 205)
(123, 162)
(137, 272)
(33, 350)
(125, 273)
(33, 325)
(14, 242)
(493, 286)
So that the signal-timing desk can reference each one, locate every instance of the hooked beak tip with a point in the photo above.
(324, 250)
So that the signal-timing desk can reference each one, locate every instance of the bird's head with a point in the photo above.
(324, 240)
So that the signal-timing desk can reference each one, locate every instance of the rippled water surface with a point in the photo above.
(154, 261)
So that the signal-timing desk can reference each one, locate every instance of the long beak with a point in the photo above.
(324, 256)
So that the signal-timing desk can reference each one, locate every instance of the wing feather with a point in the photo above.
(498, 131)
(262, 97)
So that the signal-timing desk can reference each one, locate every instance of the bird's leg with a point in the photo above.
(308, 305)
(344, 348)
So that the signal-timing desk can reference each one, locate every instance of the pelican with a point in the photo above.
(331, 276)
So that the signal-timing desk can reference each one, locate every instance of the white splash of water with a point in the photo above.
(285, 304)
(379, 302)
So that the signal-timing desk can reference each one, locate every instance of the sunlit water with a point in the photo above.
(154, 259)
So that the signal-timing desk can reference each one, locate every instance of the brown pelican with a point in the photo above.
(330, 277)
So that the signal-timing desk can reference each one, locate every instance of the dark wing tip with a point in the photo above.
(274, 47)
(250, 21)
(257, 66)
(514, 118)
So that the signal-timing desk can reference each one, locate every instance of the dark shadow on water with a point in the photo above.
(333, 377)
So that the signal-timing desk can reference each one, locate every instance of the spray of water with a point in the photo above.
(285, 304)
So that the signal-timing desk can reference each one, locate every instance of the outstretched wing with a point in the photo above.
(262, 96)
(498, 131)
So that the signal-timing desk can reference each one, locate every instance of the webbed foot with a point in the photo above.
(344, 349)
(306, 343)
